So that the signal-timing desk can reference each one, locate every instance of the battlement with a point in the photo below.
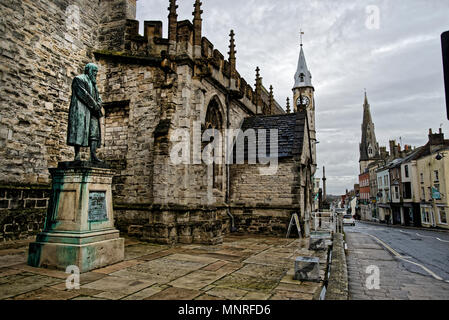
(120, 33)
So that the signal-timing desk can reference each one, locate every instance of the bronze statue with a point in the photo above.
(85, 113)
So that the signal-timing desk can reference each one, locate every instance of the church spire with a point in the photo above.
(369, 148)
(303, 77)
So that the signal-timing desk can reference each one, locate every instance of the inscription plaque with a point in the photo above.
(97, 206)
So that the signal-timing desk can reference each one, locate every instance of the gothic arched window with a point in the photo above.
(214, 120)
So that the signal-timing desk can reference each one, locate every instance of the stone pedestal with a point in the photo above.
(79, 227)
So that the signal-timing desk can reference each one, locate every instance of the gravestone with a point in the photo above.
(79, 227)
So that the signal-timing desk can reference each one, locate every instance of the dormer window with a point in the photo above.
(301, 77)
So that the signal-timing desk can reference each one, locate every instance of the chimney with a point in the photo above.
(393, 148)
(436, 139)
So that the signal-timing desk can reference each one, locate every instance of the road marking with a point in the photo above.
(420, 235)
(442, 240)
(403, 258)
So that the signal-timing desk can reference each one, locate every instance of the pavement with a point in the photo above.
(242, 268)
(412, 265)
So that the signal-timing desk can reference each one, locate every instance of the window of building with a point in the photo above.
(396, 192)
(407, 190)
(423, 193)
(406, 171)
(214, 120)
(385, 180)
(422, 177)
(442, 215)
(425, 215)
(380, 182)
(436, 175)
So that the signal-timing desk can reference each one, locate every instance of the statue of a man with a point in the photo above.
(85, 113)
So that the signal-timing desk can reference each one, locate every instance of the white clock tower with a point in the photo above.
(303, 89)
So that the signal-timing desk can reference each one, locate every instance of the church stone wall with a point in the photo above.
(36, 75)
(264, 204)
(43, 45)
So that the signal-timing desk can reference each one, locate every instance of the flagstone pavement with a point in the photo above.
(242, 268)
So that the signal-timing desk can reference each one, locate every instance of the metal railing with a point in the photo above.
(323, 221)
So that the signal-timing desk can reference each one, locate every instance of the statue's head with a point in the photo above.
(91, 70)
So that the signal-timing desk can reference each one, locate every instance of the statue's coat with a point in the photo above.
(84, 123)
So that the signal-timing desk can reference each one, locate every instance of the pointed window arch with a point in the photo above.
(214, 120)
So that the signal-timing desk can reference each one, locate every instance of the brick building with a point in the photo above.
(157, 91)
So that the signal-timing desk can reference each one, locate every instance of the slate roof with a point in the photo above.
(290, 133)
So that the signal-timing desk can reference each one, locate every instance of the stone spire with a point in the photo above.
(271, 100)
(258, 90)
(197, 28)
(232, 52)
(369, 148)
(303, 77)
(172, 26)
(288, 105)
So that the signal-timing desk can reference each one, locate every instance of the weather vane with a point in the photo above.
(300, 35)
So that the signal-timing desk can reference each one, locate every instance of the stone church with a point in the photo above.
(157, 91)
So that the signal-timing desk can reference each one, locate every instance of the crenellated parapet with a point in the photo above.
(184, 45)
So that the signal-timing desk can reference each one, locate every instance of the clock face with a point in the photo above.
(305, 101)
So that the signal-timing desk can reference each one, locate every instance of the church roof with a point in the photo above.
(303, 77)
(290, 132)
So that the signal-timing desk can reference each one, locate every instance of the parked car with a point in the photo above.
(348, 219)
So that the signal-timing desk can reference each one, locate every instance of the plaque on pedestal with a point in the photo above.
(79, 227)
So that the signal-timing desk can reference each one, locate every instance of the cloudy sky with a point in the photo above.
(397, 59)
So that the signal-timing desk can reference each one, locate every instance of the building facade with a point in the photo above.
(162, 94)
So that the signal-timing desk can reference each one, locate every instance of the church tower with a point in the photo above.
(369, 148)
(303, 89)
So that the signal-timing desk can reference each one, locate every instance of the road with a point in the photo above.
(413, 264)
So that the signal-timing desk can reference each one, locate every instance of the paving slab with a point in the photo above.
(47, 293)
(263, 271)
(138, 250)
(290, 295)
(116, 288)
(118, 266)
(145, 293)
(18, 284)
(227, 293)
(197, 279)
(212, 267)
(248, 283)
(175, 294)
